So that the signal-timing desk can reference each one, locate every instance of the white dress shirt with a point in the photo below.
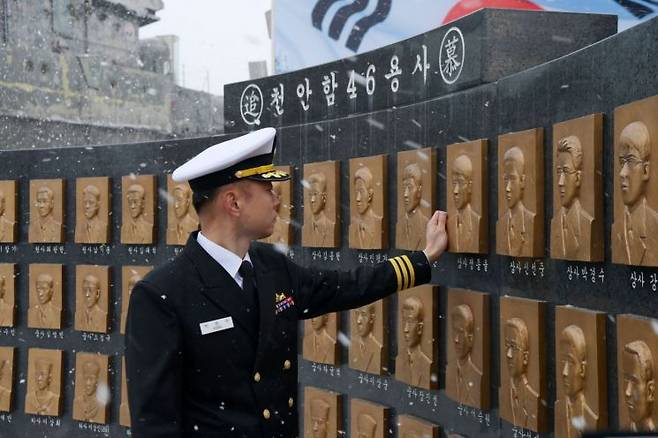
(228, 260)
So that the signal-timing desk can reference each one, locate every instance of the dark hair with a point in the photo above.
(202, 198)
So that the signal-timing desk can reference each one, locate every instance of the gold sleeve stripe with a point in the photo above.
(397, 273)
(412, 273)
(405, 273)
(403, 270)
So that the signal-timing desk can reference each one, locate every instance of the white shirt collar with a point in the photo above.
(227, 259)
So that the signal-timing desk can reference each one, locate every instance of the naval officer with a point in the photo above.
(211, 337)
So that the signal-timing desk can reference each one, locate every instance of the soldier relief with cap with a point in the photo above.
(210, 349)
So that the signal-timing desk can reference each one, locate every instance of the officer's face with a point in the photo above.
(514, 351)
(362, 196)
(90, 204)
(638, 393)
(568, 178)
(513, 183)
(411, 195)
(572, 368)
(44, 203)
(633, 175)
(258, 204)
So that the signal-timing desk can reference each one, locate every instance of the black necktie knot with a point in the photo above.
(246, 270)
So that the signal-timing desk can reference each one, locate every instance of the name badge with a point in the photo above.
(216, 325)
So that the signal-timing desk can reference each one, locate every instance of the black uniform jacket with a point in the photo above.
(234, 382)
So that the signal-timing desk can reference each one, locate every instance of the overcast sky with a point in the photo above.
(217, 38)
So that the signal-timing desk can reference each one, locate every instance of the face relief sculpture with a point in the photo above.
(44, 314)
(365, 349)
(468, 221)
(44, 227)
(319, 417)
(467, 375)
(6, 224)
(6, 307)
(319, 345)
(572, 225)
(518, 219)
(136, 229)
(412, 365)
(639, 385)
(90, 405)
(91, 317)
(366, 225)
(637, 238)
(412, 222)
(321, 226)
(41, 400)
(573, 413)
(366, 426)
(183, 222)
(94, 228)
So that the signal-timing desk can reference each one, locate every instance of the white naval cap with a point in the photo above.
(248, 156)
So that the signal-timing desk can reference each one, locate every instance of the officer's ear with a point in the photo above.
(229, 200)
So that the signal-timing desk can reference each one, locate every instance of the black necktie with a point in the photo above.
(249, 289)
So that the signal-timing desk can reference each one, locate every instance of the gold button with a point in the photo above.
(290, 402)
(286, 365)
(266, 414)
(257, 377)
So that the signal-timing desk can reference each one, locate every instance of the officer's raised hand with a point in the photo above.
(436, 236)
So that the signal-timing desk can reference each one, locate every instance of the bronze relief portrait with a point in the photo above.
(416, 184)
(412, 427)
(92, 210)
(634, 236)
(44, 382)
(577, 223)
(138, 209)
(7, 294)
(92, 284)
(124, 407)
(368, 347)
(415, 363)
(319, 342)
(520, 226)
(466, 193)
(322, 413)
(46, 287)
(7, 355)
(321, 184)
(130, 275)
(368, 203)
(46, 211)
(181, 215)
(368, 420)
(637, 352)
(523, 381)
(282, 233)
(8, 208)
(92, 392)
(469, 360)
(580, 372)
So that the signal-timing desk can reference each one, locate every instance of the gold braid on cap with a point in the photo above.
(254, 171)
